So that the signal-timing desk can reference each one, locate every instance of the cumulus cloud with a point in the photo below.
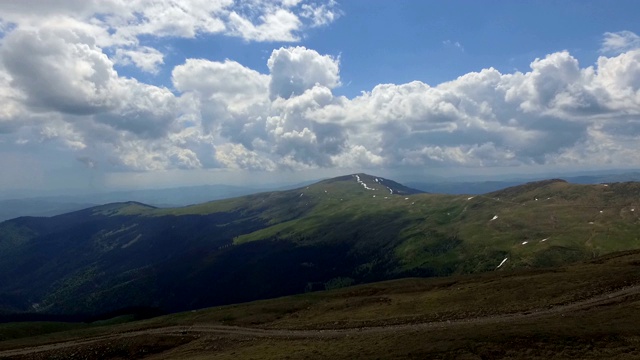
(59, 87)
(12, 111)
(555, 112)
(128, 20)
(229, 95)
(63, 70)
(294, 70)
(59, 68)
(146, 58)
(60, 131)
(236, 156)
(145, 110)
(58, 80)
(121, 24)
(234, 103)
(60, 84)
(280, 25)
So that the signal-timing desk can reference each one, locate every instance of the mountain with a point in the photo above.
(60, 204)
(13, 208)
(481, 187)
(351, 229)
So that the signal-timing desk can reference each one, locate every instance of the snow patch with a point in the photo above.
(362, 183)
(301, 194)
(390, 190)
(545, 239)
(469, 198)
(502, 263)
(494, 217)
(633, 209)
(525, 242)
(406, 198)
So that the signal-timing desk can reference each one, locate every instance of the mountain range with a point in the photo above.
(59, 204)
(29, 203)
(337, 232)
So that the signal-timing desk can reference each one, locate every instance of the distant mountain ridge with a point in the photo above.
(181, 196)
(482, 187)
(56, 205)
(350, 229)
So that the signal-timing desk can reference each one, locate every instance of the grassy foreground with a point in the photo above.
(533, 314)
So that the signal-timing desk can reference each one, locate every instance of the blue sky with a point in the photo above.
(398, 42)
(142, 94)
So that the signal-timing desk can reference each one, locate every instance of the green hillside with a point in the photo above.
(338, 232)
(587, 310)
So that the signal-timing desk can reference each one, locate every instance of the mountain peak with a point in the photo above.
(534, 186)
(373, 183)
(121, 208)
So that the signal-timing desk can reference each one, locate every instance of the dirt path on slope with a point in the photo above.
(603, 299)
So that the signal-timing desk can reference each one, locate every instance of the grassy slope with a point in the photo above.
(403, 235)
(607, 331)
(456, 233)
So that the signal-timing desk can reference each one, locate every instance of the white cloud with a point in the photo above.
(230, 81)
(320, 14)
(555, 112)
(146, 58)
(12, 111)
(230, 96)
(57, 130)
(294, 70)
(236, 156)
(619, 42)
(59, 89)
(120, 25)
(128, 20)
(617, 82)
(279, 25)
(357, 156)
(63, 87)
(145, 110)
(59, 69)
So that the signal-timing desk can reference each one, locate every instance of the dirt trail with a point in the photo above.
(599, 300)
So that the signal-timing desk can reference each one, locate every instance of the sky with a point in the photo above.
(102, 94)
